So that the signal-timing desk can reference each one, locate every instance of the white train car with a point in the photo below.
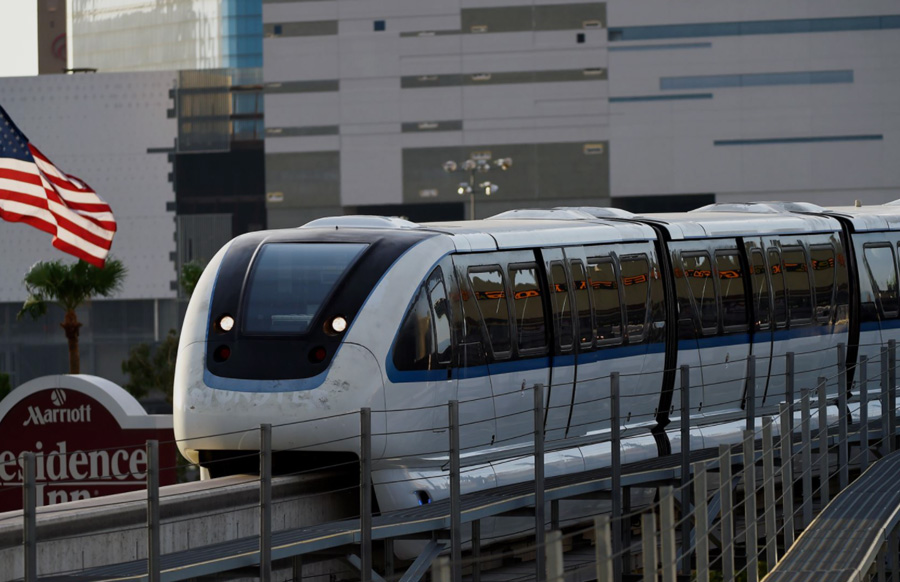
(300, 328)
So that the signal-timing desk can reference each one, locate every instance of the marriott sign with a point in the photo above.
(88, 436)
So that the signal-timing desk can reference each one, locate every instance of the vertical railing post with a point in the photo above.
(892, 391)
(789, 378)
(750, 535)
(603, 548)
(885, 404)
(440, 572)
(619, 526)
(787, 473)
(29, 515)
(668, 556)
(685, 467)
(539, 521)
(843, 419)
(863, 375)
(553, 556)
(648, 545)
(806, 456)
(365, 494)
(153, 525)
(455, 494)
(751, 393)
(769, 494)
(265, 502)
(824, 489)
(476, 550)
(727, 520)
(701, 523)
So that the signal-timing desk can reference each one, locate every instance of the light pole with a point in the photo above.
(471, 166)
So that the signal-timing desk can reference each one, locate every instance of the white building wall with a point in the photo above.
(100, 128)
(829, 141)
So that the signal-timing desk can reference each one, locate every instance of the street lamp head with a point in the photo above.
(464, 188)
(449, 166)
(469, 165)
(483, 166)
(488, 188)
(503, 163)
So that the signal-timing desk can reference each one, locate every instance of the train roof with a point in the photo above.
(745, 219)
(528, 231)
(870, 218)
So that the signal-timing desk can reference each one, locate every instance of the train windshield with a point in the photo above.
(290, 282)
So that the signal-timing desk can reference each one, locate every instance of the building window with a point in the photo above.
(277, 30)
(378, 25)
(579, 38)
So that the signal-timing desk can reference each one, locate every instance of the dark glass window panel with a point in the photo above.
(731, 289)
(823, 279)
(530, 323)
(290, 282)
(607, 302)
(582, 303)
(636, 284)
(760, 289)
(440, 312)
(562, 307)
(779, 291)
(698, 273)
(796, 276)
(415, 346)
(883, 274)
(490, 294)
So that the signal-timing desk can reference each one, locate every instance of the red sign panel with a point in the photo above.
(81, 448)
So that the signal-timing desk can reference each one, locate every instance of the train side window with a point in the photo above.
(823, 280)
(424, 339)
(440, 310)
(636, 283)
(489, 288)
(760, 289)
(698, 273)
(562, 307)
(582, 304)
(779, 301)
(731, 290)
(883, 274)
(607, 301)
(796, 276)
(530, 324)
(470, 327)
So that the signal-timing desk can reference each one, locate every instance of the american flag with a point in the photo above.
(36, 192)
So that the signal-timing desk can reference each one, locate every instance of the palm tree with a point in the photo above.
(69, 285)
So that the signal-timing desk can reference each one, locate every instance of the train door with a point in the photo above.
(422, 361)
(562, 355)
(761, 322)
(473, 389)
(692, 269)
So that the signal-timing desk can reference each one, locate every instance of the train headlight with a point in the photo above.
(226, 323)
(337, 324)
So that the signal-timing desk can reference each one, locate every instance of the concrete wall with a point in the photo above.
(365, 100)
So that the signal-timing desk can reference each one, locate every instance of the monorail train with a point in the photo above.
(300, 328)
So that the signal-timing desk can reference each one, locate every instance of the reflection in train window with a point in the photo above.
(440, 310)
(796, 276)
(562, 308)
(490, 293)
(731, 289)
(636, 284)
(424, 339)
(779, 301)
(607, 303)
(530, 324)
(823, 279)
(883, 274)
(582, 304)
(698, 273)
(760, 289)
